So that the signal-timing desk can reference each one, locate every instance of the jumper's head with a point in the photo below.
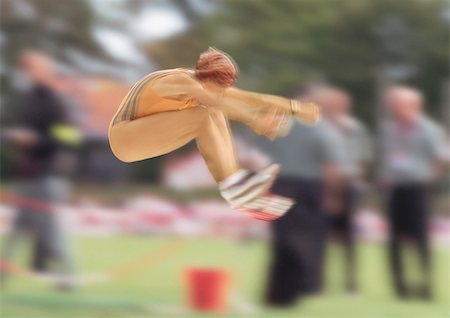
(216, 67)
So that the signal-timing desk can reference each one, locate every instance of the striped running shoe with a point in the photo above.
(267, 207)
(248, 191)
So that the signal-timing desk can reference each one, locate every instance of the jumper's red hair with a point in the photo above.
(216, 66)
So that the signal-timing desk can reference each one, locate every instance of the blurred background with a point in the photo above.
(85, 235)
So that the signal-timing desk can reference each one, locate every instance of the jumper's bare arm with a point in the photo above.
(307, 113)
(179, 86)
(236, 102)
(237, 96)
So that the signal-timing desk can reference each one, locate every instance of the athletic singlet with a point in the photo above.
(143, 101)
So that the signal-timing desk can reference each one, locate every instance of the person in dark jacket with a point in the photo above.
(46, 141)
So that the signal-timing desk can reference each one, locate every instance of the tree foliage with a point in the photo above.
(356, 44)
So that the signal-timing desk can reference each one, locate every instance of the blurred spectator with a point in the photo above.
(309, 157)
(46, 140)
(412, 149)
(356, 145)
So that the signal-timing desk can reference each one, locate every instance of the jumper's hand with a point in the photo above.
(306, 113)
(273, 124)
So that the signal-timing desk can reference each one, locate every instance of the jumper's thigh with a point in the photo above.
(155, 135)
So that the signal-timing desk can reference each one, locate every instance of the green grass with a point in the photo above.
(160, 289)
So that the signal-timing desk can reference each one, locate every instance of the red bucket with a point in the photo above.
(208, 289)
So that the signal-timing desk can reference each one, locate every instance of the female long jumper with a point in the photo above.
(167, 109)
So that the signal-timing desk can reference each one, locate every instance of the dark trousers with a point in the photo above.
(341, 225)
(41, 256)
(408, 216)
(43, 227)
(298, 243)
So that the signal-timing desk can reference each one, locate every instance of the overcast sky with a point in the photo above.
(153, 22)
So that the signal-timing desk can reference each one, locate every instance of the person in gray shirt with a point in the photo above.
(412, 149)
(356, 154)
(309, 159)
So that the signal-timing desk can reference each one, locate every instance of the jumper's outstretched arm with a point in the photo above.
(307, 113)
(238, 104)
(243, 98)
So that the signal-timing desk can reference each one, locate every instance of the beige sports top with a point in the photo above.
(143, 101)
